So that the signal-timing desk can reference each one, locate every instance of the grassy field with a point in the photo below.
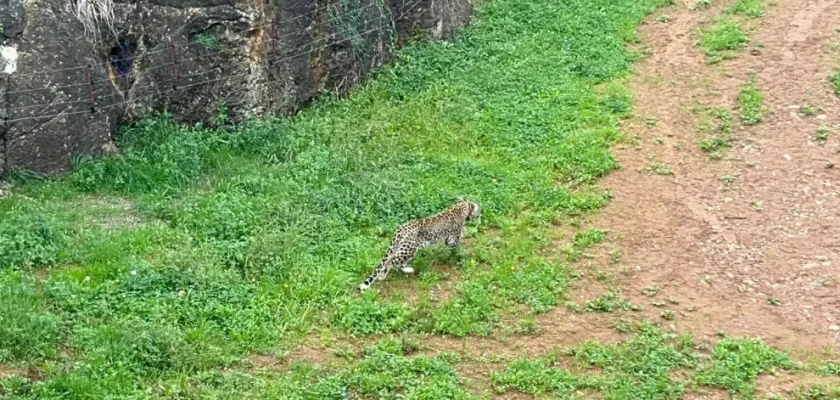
(157, 274)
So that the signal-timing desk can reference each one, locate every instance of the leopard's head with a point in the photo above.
(474, 210)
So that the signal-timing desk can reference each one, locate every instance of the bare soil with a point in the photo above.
(757, 257)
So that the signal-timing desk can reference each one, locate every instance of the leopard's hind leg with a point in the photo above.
(402, 256)
(403, 266)
(399, 254)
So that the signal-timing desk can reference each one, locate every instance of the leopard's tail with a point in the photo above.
(382, 266)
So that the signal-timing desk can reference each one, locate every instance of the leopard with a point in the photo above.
(446, 226)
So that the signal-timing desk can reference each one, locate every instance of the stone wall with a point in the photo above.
(63, 90)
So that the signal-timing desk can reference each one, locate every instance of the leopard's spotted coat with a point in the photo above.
(446, 226)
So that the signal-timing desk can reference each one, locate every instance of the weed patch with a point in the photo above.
(822, 134)
(658, 168)
(608, 302)
(835, 82)
(750, 103)
(29, 238)
(535, 377)
(649, 365)
(702, 5)
(737, 362)
(582, 241)
(722, 39)
(716, 124)
(830, 368)
(638, 368)
(750, 8)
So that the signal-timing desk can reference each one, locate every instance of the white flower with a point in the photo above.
(133, 272)
(87, 279)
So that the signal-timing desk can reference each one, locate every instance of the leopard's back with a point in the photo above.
(434, 229)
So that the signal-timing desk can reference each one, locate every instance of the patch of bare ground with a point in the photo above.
(760, 256)
(788, 384)
(708, 394)
(309, 353)
(6, 372)
(28, 373)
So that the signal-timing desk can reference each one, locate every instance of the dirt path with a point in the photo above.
(761, 255)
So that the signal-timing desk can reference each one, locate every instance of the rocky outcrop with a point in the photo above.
(63, 90)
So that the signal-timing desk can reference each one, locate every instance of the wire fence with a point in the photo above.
(94, 101)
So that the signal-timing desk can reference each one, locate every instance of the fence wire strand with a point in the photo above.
(403, 11)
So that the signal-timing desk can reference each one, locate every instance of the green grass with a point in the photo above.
(383, 371)
(637, 368)
(830, 368)
(28, 331)
(608, 302)
(750, 8)
(536, 377)
(155, 270)
(750, 103)
(835, 82)
(206, 40)
(582, 241)
(722, 39)
(702, 5)
(658, 168)
(737, 362)
(716, 124)
(815, 392)
(822, 134)
(651, 364)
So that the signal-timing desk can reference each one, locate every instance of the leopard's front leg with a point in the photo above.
(454, 239)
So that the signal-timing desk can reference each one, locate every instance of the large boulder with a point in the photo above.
(67, 80)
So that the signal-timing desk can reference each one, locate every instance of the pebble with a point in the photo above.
(834, 328)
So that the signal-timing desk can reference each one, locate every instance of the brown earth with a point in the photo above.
(774, 232)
